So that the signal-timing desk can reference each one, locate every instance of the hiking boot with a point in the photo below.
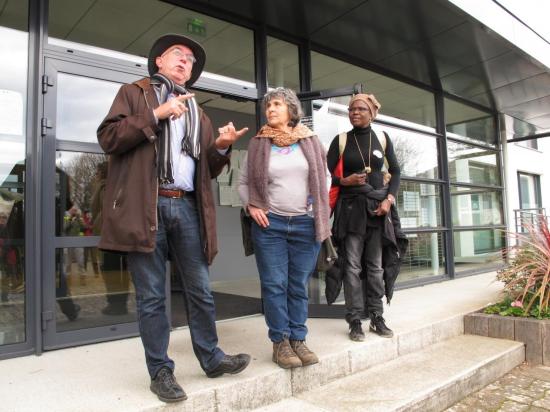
(378, 326)
(303, 352)
(165, 386)
(284, 356)
(356, 331)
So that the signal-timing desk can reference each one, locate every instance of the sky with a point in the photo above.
(534, 13)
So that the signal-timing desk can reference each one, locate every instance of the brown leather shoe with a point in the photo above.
(303, 352)
(284, 356)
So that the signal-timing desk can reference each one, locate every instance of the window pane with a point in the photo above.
(92, 289)
(425, 257)
(283, 67)
(13, 109)
(80, 180)
(77, 119)
(133, 27)
(419, 205)
(398, 99)
(476, 207)
(416, 152)
(468, 123)
(475, 249)
(529, 191)
(469, 164)
(518, 128)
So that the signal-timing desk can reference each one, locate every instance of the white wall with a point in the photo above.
(522, 159)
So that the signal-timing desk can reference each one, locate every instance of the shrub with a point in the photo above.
(526, 277)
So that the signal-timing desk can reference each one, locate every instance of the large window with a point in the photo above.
(470, 164)
(283, 67)
(398, 99)
(132, 29)
(13, 108)
(469, 123)
(476, 187)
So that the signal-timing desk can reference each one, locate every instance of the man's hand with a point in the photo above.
(228, 136)
(355, 179)
(173, 108)
(258, 215)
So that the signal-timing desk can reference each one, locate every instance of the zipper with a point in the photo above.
(116, 198)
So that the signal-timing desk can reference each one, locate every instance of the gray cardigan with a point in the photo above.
(259, 150)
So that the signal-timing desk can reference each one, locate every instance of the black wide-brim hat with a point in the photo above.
(163, 43)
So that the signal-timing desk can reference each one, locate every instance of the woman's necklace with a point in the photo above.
(366, 169)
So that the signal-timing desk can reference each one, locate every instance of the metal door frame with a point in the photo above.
(51, 338)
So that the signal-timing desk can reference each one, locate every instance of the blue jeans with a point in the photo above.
(286, 252)
(178, 235)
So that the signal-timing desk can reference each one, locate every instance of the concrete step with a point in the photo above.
(431, 379)
(111, 376)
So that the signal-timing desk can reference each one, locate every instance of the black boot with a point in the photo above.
(378, 326)
(165, 386)
(230, 364)
(356, 331)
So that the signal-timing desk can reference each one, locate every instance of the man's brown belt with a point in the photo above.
(174, 193)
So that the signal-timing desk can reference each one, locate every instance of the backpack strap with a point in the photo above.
(384, 143)
(342, 139)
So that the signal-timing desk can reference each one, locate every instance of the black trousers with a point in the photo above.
(363, 295)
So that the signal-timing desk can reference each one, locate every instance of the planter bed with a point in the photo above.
(534, 333)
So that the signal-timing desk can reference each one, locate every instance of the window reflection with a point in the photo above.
(419, 205)
(77, 117)
(474, 249)
(230, 48)
(93, 289)
(283, 68)
(466, 122)
(13, 101)
(416, 152)
(80, 181)
(469, 164)
(398, 99)
(476, 207)
(425, 257)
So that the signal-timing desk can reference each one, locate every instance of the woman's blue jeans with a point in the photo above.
(178, 235)
(286, 252)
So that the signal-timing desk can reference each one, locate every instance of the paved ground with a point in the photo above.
(525, 388)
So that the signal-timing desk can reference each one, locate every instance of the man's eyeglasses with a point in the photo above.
(181, 55)
(358, 109)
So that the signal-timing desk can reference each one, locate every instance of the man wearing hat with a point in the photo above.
(158, 204)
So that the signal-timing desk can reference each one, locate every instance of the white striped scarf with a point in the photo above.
(191, 141)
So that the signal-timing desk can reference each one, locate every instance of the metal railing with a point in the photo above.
(530, 217)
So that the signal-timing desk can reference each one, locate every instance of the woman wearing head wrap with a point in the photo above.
(283, 185)
(366, 197)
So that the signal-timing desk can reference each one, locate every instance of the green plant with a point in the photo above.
(526, 277)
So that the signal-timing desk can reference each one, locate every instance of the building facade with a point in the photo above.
(452, 91)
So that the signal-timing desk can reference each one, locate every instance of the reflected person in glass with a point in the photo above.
(284, 187)
(158, 202)
(365, 217)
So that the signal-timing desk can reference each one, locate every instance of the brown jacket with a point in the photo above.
(129, 135)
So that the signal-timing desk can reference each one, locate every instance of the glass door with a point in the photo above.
(87, 293)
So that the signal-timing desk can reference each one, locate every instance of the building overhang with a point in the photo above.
(431, 43)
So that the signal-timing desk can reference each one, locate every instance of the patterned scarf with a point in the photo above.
(281, 138)
(190, 143)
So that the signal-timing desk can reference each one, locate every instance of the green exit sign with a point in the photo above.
(196, 27)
